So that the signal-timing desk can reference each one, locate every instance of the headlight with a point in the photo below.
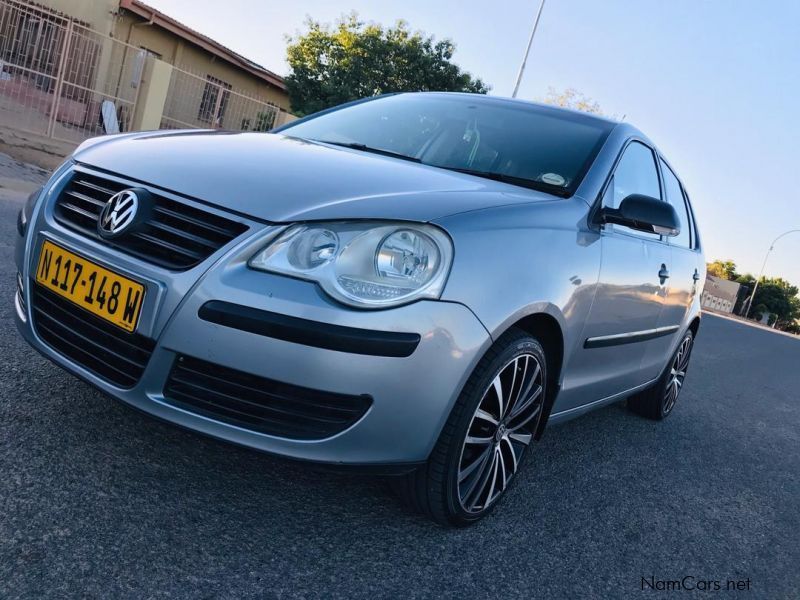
(364, 264)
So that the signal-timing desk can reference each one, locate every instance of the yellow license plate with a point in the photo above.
(104, 293)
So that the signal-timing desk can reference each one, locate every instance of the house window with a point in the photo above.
(151, 52)
(214, 101)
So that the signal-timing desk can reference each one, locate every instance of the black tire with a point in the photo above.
(658, 401)
(436, 489)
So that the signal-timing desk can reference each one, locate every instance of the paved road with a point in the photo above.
(99, 501)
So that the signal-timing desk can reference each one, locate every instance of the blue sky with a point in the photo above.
(714, 83)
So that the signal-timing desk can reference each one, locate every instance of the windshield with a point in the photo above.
(547, 148)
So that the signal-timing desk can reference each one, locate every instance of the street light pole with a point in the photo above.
(527, 51)
(763, 265)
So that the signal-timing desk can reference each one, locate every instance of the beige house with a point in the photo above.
(139, 25)
(97, 14)
(70, 69)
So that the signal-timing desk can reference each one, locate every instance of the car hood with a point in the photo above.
(279, 178)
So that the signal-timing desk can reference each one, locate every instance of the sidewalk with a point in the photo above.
(19, 176)
(34, 149)
(748, 322)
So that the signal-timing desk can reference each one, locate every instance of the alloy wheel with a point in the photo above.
(677, 374)
(499, 433)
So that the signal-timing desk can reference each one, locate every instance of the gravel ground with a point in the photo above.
(99, 501)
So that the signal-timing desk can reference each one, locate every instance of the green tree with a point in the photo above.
(746, 283)
(724, 269)
(776, 296)
(572, 98)
(791, 327)
(353, 59)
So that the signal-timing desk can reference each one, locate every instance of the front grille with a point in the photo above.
(176, 236)
(102, 348)
(260, 404)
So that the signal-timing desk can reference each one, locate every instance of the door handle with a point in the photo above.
(663, 274)
(696, 276)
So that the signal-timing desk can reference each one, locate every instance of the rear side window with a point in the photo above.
(675, 197)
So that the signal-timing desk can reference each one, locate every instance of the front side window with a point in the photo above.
(674, 192)
(635, 174)
(536, 146)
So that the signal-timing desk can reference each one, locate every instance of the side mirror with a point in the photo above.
(644, 213)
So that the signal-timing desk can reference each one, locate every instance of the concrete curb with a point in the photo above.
(750, 324)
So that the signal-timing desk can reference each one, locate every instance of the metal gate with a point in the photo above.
(60, 78)
(196, 101)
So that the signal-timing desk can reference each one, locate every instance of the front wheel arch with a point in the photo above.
(694, 326)
(434, 488)
(547, 330)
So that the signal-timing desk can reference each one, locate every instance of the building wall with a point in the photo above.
(100, 58)
(719, 294)
(713, 302)
(98, 14)
(105, 17)
(185, 55)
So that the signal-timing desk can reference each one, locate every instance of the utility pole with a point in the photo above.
(763, 265)
(527, 50)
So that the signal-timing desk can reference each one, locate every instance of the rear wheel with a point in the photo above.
(658, 401)
(486, 437)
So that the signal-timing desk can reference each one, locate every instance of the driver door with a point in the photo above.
(630, 294)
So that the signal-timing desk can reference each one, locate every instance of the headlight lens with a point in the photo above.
(312, 248)
(364, 264)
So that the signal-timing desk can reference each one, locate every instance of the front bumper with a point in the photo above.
(411, 395)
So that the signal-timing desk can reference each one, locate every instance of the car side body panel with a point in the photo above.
(539, 265)
(552, 259)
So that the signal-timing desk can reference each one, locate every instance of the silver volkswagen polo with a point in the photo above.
(416, 284)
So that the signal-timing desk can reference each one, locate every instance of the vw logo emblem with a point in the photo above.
(118, 214)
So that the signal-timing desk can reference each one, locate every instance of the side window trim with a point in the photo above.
(690, 209)
(598, 204)
(693, 242)
(691, 218)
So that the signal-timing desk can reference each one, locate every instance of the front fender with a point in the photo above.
(515, 261)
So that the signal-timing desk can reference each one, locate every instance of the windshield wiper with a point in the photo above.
(365, 148)
(520, 181)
